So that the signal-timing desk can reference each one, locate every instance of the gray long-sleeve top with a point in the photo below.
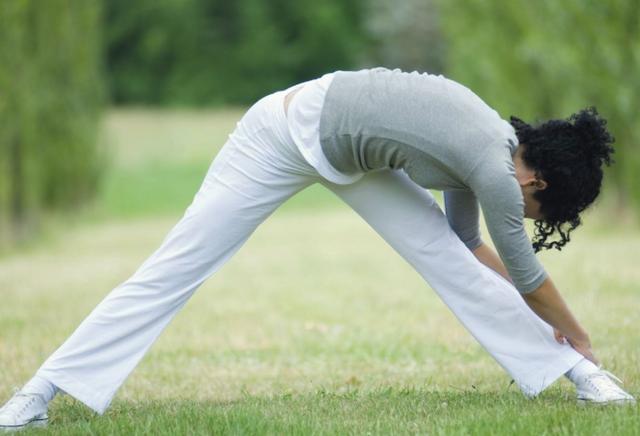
(444, 137)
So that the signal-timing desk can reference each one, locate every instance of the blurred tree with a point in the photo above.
(49, 105)
(548, 59)
(216, 51)
(405, 35)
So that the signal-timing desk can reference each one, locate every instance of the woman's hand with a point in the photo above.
(548, 304)
(581, 346)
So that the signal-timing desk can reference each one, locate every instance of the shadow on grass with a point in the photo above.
(384, 411)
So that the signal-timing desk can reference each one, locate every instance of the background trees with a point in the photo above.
(532, 59)
(203, 52)
(548, 59)
(50, 99)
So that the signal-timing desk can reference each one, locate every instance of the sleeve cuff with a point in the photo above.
(474, 243)
(530, 287)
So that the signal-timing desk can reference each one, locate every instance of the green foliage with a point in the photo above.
(404, 35)
(548, 58)
(49, 106)
(219, 51)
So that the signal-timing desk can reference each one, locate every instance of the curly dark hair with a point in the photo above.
(568, 154)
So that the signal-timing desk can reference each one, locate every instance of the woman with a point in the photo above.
(376, 138)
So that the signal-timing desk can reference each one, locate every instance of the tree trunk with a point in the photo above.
(17, 194)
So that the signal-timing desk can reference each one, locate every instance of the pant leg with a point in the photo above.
(410, 220)
(257, 169)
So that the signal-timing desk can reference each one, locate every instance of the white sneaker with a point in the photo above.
(599, 388)
(22, 410)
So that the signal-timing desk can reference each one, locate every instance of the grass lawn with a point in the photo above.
(304, 332)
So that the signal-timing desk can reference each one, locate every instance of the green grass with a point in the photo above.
(304, 332)
(160, 158)
(383, 411)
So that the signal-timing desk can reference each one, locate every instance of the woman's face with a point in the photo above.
(531, 206)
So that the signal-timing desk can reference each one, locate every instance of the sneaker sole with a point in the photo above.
(36, 423)
(623, 402)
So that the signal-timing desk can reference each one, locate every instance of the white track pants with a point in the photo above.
(257, 170)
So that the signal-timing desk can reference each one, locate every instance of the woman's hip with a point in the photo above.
(262, 134)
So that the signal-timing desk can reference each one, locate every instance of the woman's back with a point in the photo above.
(434, 128)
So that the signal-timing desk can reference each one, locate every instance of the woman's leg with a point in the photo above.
(256, 171)
(410, 220)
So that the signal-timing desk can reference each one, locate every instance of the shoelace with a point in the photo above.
(18, 403)
(601, 381)
(610, 375)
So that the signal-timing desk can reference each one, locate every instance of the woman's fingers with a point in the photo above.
(560, 338)
(585, 350)
(590, 356)
(582, 347)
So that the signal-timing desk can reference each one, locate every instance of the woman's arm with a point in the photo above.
(500, 196)
(549, 305)
(463, 215)
(487, 256)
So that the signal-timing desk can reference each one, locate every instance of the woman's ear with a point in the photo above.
(540, 184)
(528, 178)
